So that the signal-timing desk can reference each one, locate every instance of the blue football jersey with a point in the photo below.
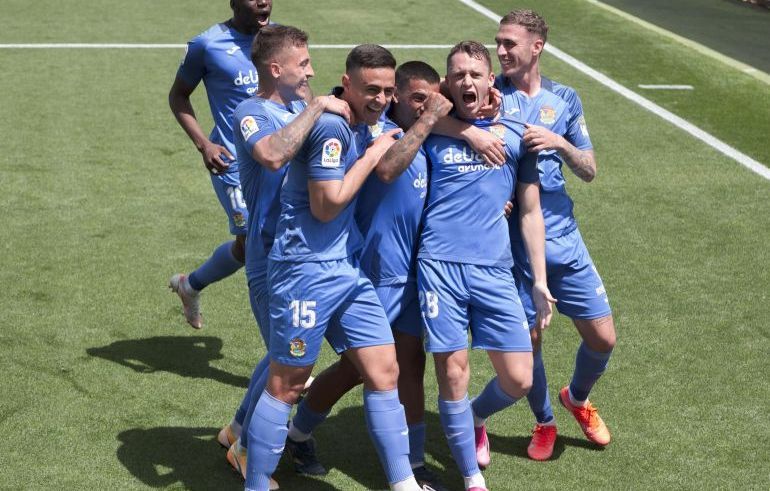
(256, 118)
(464, 220)
(558, 108)
(331, 148)
(388, 216)
(220, 57)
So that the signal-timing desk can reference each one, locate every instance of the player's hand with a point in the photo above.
(381, 145)
(435, 107)
(212, 158)
(543, 304)
(508, 209)
(492, 108)
(538, 138)
(335, 105)
(487, 145)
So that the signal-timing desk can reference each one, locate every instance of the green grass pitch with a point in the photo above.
(102, 198)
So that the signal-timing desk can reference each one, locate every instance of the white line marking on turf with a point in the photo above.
(672, 118)
(747, 69)
(665, 87)
(181, 46)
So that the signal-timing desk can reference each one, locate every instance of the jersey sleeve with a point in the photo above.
(254, 124)
(577, 130)
(526, 171)
(327, 145)
(193, 67)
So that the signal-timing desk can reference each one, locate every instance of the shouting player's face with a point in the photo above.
(294, 71)
(409, 101)
(252, 13)
(517, 50)
(368, 92)
(468, 79)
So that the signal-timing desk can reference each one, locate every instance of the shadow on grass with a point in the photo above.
(188, 356)
(516, 446)
(169, 456)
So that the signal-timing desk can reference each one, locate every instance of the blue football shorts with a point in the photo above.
(401, 307)
(456, 297)
(313, 300)
(228, 189)
(571, 275)
(259, 298)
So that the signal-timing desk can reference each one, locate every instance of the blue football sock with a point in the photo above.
(491, 400)
(240, 414)
(417, 443)
(306, 420)
(538, 398)
(220, 265)
(457, 420)
(257, 386)
(267, 435)
(386, 422)
(589, 366)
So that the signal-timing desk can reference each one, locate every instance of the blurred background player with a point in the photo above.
(558, 132)
(316, 287)
(388, 213)
(465, 279)
(270, 128)
(220, 58)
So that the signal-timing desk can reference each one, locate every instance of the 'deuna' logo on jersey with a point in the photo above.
(498, 130)
(248, 127)
(547, 115)
(331, 153)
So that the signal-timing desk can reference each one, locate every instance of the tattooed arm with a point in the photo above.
(399, 156)
(582, 162)
(276, 150)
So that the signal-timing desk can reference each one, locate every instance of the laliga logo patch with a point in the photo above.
(583, 126)
(547, 115)
(297, 348)
(498, 130)
(248, 127)
(332, 151)
(376, 129)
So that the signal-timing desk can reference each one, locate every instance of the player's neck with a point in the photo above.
(273, 95)
(243, 27)
(528, 82)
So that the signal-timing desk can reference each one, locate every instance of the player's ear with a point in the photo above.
(346, 81)
(491, 79)
(537, 47)
(275, 70)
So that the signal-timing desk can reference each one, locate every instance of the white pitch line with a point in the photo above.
(181, 46)
(665, 87)
(672, 118)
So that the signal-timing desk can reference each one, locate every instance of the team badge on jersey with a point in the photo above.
(297, 348)
(248, 127)
(376, 129)
(331, 153)
(498, 130)
(583, 126)
(547, 115)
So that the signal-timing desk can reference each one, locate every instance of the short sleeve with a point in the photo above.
(254, 124)
(577, 130)
(327, 146)
(193, 67)
(527, 171)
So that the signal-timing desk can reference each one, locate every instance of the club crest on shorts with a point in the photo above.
(248, 127)
(239, 220)
(297, 348)
(331, 153)
(547, 115)
(498, 130)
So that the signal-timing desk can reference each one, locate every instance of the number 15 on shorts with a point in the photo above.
(428, 304)
(303, 313)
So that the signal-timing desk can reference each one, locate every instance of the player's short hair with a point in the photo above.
(271, 39)
(415, 70)
(474, 49)
(369, 56)
(529, 20)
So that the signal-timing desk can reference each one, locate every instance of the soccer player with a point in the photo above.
(464, 261)
(316, 288)
(558, 132)
(388, 214)
(270, 128)
(220, 58)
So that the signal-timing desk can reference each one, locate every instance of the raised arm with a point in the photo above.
(400, 155)
(179, 102)
(275, 150)
(329, 197)
(483, 142)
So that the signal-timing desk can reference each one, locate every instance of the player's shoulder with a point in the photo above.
(250, 105)
(562, 91)
(331, 123)
(213, 33)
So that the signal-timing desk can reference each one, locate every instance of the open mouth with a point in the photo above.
(263, 19)
(469, 97)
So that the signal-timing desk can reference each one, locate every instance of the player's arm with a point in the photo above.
(400, 155)
(533, 233)
(581, 162)
(483, 142)
(276, 150)
(329, 197)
